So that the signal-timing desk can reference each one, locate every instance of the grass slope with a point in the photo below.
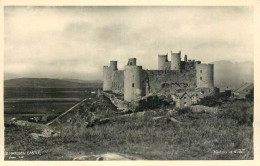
(200, 136)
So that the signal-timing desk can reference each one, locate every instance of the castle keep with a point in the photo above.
(176, 78)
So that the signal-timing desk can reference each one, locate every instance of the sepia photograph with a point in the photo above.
(103, 83)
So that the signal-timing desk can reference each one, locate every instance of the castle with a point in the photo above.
(177, 78)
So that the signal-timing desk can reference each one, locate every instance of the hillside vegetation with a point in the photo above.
(149, 135)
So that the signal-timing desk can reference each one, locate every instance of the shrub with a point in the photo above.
(184, 110)
(241, 111)
(211, 101)
(250, 96)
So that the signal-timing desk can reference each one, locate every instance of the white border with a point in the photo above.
(252, 3)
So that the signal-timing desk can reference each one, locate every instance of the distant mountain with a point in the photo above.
(226, 74)
(8, 76)
(232, 74)
(49, 83)
(83, 81)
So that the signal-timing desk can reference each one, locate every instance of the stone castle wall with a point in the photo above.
(170, 81)
(118, 81)
(153, 81)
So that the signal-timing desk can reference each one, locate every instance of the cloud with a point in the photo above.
(76, 42)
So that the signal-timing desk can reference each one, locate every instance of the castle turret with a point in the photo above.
(175, 61)
(163, 63)
(107, 75)
(107, 78)
(185, 58)
(205, 75)
(113, 65)
(133, 86)
(132, 62)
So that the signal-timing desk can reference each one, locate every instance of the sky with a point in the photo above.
(75, 42)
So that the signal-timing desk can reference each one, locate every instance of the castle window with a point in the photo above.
(200, 71)
(200, 78)
(133, 85)
(130, 63)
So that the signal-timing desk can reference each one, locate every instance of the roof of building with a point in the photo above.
(182, 94)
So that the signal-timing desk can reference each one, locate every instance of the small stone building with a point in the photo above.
(185, 99)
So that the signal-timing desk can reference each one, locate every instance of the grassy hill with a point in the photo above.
(150, 135)
(8, 76)
(50, 83)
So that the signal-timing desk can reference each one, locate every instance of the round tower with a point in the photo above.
(205, 75)
(175, 61)
(107, 78)
(162, 62)
(133, 87)
(113, 65)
